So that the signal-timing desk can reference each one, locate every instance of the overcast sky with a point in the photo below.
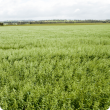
(54, 9)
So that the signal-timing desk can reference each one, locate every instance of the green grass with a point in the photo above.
(55, 67)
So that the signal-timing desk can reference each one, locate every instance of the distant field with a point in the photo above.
(55, 67)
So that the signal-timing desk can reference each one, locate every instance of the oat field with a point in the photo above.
(47, 67)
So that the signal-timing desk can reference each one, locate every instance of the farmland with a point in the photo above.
(47, 67)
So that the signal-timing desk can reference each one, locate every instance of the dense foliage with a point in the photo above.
(55, 67)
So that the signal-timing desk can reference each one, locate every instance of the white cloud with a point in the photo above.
(77, 10)
(57, 9)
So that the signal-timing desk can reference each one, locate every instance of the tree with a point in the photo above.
(1, 24)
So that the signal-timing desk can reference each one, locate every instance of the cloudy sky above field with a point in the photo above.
(54, 9)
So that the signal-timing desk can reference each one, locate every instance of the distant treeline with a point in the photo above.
(53, 22)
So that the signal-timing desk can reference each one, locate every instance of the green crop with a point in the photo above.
(55, 67)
